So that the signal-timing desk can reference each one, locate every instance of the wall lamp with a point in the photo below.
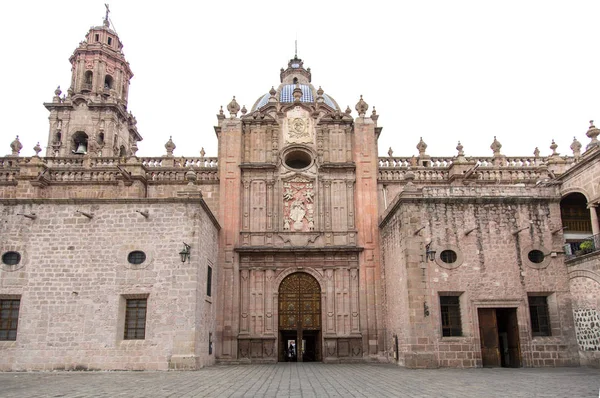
(31, 216)
(429, 254)
(185, 253)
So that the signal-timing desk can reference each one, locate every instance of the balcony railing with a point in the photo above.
(583, 247)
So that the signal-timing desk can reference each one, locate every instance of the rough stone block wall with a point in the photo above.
(585, 289)
(74, 278)
(492, 239)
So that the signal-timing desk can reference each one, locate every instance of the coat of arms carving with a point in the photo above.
(298, 205)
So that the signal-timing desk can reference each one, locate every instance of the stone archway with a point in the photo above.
(300, 318)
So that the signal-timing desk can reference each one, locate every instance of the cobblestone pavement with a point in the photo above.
(308, 380)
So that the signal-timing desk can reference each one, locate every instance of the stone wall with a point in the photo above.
(585, 289)
(491, 230)
(74, 278)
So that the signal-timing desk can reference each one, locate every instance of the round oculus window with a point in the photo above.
(136, 257)
(448, 256)
(11, 258)
(297, 159)
(536, 256)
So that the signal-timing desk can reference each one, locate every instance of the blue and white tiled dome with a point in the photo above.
(285, 94)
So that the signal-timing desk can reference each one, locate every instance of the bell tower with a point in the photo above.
(92, 119)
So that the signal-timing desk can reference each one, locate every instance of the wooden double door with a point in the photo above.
(499, 333)
(299, 318)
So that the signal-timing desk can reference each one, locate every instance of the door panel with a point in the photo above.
(514, 346)
(488, 332)
(300, 311)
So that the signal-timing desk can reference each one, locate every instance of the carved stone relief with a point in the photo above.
(298, 205)
(297, 127)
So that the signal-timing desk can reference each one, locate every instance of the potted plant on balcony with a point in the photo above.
(586, 247)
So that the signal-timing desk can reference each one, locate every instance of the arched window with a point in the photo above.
(295, 80)
(100, 139)
(108, 82)
(88, 80)
(575, 215)
(79, 143)
(122, 152)
(576, 221)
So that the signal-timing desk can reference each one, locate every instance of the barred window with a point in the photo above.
(450, 310)
(209, 281)
(136, 257)
(540, 320)
(135, 319)
(9, 318)
(448, 256)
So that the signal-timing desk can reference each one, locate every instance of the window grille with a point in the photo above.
(135, 319)
(450, 310)
(9, 318)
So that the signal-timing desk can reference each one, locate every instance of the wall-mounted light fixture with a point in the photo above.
(145, 213)
(425, 309)
(185, 253)
(429, 254)
(31, 216)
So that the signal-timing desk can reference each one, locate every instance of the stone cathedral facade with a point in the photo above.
(296, 243)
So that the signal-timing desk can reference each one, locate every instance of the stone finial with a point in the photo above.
(576, 148)
(374, 115)
(37, 148)
(390, 152)
(495, 147)
(202, 153)
(297, 93)
(233, 108)
(348, 110)
(460, 157)
(191, 177)
(459, 148)
(272, 91)
(170, 146)
(221, 115)
(553, 147)
(421, 147)
(57, 94)
(361, 107)
(592, 133)
(536, 152)
(16, 146)
(133, 148)
(409, 177)
(320, 91)
(244, 110)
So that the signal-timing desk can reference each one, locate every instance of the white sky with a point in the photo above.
(524, 71)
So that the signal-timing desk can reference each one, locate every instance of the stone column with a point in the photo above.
(594, 218)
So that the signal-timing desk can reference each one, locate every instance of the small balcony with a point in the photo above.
(86, 87)
(580, 248)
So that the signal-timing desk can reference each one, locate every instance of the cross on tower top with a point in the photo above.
(106, 23)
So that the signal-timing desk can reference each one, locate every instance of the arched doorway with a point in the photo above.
(299, 318)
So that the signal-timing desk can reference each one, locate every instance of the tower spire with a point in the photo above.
(296, 47)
